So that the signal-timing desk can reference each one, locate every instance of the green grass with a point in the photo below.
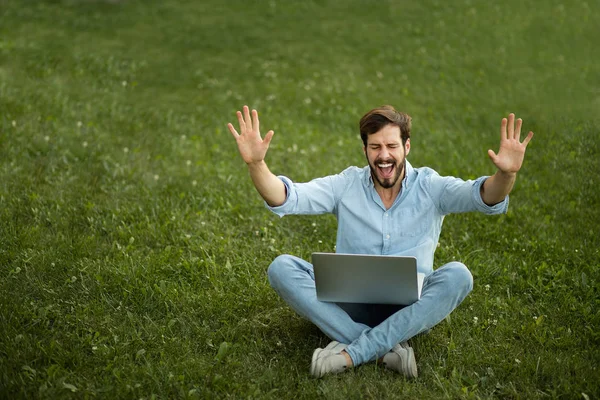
(133, 247)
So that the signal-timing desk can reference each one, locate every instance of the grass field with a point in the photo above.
(134, 248)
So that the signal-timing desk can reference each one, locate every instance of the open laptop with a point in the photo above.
(358, 278)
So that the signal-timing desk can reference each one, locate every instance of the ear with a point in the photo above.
(407, 147)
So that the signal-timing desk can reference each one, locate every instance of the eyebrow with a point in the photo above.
(385, 144)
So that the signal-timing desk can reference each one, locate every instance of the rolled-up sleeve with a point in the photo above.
(499, 208)
(289, 186)
(319, 196)
(454, 195)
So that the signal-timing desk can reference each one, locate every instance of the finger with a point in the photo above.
(503, 129)
(268, 138)
(241, 121)
(511, 126)
(492, 155)
(518, 129)
(255, 123)
(247, 118)
(233, 131)
(528, 138)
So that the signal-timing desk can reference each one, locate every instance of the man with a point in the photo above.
(386, 208)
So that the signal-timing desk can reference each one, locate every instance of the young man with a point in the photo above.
(386, 208)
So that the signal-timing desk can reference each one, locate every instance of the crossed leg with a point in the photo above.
(443, 290)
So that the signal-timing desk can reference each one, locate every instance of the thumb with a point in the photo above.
(492, 155)
(268, 137)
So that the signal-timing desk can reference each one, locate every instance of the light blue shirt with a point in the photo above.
(410, 227)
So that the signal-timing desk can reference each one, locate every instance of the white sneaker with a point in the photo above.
(328, 360)
(401, 358)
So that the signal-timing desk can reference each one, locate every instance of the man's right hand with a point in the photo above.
(252, 147)
(253, 150)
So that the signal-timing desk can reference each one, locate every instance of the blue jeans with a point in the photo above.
(370, 330)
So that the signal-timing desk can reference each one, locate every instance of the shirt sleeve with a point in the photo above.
(319, 196)
(454, 195)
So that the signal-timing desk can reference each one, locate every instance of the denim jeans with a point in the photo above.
(370, 330)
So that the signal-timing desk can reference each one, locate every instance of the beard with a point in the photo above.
(387, 178)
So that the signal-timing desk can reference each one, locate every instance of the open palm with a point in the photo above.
(250, 144)
(512, 151)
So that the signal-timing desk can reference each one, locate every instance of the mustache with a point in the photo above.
(382, 161)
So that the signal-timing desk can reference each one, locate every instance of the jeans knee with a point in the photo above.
(278, 270)
(462, 277)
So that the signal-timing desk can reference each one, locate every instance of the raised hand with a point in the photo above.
(250, 144)
(512, 151)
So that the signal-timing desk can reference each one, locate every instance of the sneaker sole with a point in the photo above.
(410, 367)
(315, 356)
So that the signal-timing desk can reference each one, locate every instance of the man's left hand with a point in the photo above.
(512, 151)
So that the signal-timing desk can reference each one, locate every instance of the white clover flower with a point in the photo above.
(188, 162)
(126, 150)
(194, 183)
(14, 123)
(47, 138)
(79, 124)
(487, 288)
(475, 320)
(84, 144)
(124, 83)
(156, 177)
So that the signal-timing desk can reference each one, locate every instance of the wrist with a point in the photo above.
(506, 175)
(256, 164)
(257, 167)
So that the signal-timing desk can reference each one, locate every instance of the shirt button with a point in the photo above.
(387, 237)
(386, 214)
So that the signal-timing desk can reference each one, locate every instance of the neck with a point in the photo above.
(389, 195)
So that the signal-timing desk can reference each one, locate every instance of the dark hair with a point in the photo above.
(377, 118)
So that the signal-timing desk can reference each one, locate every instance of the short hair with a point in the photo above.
(377, 118)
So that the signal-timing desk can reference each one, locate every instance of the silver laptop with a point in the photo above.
(354, 278)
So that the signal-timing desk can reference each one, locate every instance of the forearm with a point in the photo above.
(496, 187)
(270, 187)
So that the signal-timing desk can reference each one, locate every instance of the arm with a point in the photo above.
(508, 161)
(253, 150)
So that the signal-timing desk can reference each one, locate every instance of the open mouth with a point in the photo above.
(386, 170)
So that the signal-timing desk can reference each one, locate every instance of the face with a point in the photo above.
(385, 155)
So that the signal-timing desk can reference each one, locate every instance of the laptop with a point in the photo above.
(359, 278)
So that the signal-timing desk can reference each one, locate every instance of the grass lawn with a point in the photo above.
(134, 248)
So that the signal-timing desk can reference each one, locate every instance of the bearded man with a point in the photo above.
(385, 208)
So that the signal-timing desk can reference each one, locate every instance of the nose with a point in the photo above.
(384, 153)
